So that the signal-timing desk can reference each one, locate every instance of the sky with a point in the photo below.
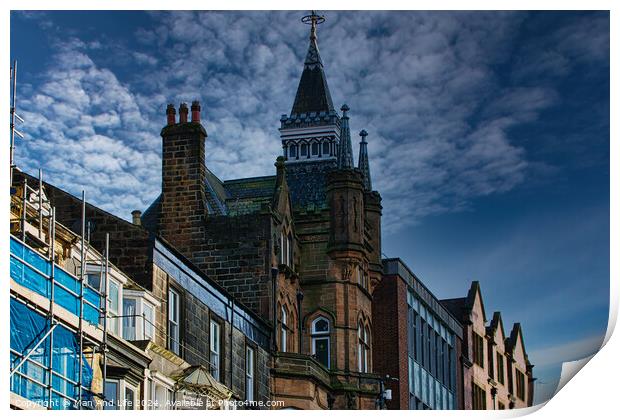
(488, 135)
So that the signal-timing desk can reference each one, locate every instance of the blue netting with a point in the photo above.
(39, 283)
(27, 328)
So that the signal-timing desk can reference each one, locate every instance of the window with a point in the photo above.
(249, 373)
(149, 321)
(479, 398)
(111, 395)
(129, 319)
(283, 328)
(113, 306)
(520, 378)
(289, 251)
(500, 368)
(215, 348)
(304, 150)
(130, 398)
(162, 397)
(293, 151)
(94, 280)
(315, 149)
(320, 340)
(478, 342)
(363, 348)
(326, 148)
(173, 321)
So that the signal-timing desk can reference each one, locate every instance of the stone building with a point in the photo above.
(496, 371)
(300, 248)
(419, 344)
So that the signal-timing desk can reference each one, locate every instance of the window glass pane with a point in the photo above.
(321, 325)
(321, 350)
(129, 319)
(130, 398)
(249, 374)
(315, 149)
(214, 357)
(149, 321)
(94, 279)
(325, 148)
(111, 395)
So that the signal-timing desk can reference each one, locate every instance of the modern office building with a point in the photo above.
(419, 345)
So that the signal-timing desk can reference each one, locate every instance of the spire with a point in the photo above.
(345, 152)
(312, 93)
(362, 161)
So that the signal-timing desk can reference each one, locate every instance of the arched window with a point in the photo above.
(293, 150)
(289, 249)
(326, 148)
(283, 328)
(304, 149)
(320, 340)
(315, 149)
(363, 348)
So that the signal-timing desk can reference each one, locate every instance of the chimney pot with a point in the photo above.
(171, 114)
(196, 111)
(135, 217)
(183, 111)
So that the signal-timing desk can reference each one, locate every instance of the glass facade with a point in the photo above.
(432, 359)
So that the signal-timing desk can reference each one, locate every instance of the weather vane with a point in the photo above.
(313, 19)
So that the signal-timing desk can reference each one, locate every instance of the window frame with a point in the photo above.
(316, 335)
(250, 372)
(174, 340)
(216, 366)
(478, 349)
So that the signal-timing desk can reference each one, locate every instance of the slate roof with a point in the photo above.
(307, 183)
(249, 195)
(312, 93)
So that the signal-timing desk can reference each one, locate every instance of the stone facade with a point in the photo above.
(483, 344)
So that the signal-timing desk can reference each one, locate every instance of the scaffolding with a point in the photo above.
(33, 266)
(14, 117)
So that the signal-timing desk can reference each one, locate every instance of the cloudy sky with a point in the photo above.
(488, 135)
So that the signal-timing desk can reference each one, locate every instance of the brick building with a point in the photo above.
(419, 345)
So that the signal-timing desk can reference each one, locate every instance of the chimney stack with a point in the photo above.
(196, 111)
(183, 111)
(171, 114)
(135, 217)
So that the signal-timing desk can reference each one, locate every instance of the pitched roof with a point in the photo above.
(249, 195)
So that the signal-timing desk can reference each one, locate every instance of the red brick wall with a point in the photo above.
(389, 309)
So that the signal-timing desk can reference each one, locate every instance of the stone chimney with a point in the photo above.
(135, 217)
(183, 201)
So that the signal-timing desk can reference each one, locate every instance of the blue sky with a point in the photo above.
(488, 135)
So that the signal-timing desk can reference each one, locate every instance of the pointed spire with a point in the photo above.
(312, 93)
(345, 153)
(362, 161)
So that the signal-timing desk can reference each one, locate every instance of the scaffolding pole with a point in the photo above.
(13, 97)
(105, 314)
(81, 319)
(52, 235)
(41, 205)
(24, 204)
(27, 356)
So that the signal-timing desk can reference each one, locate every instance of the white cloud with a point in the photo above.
(424, 85)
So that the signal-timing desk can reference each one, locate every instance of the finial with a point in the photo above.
(363, 135)
(345, 108)
(313, 19)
